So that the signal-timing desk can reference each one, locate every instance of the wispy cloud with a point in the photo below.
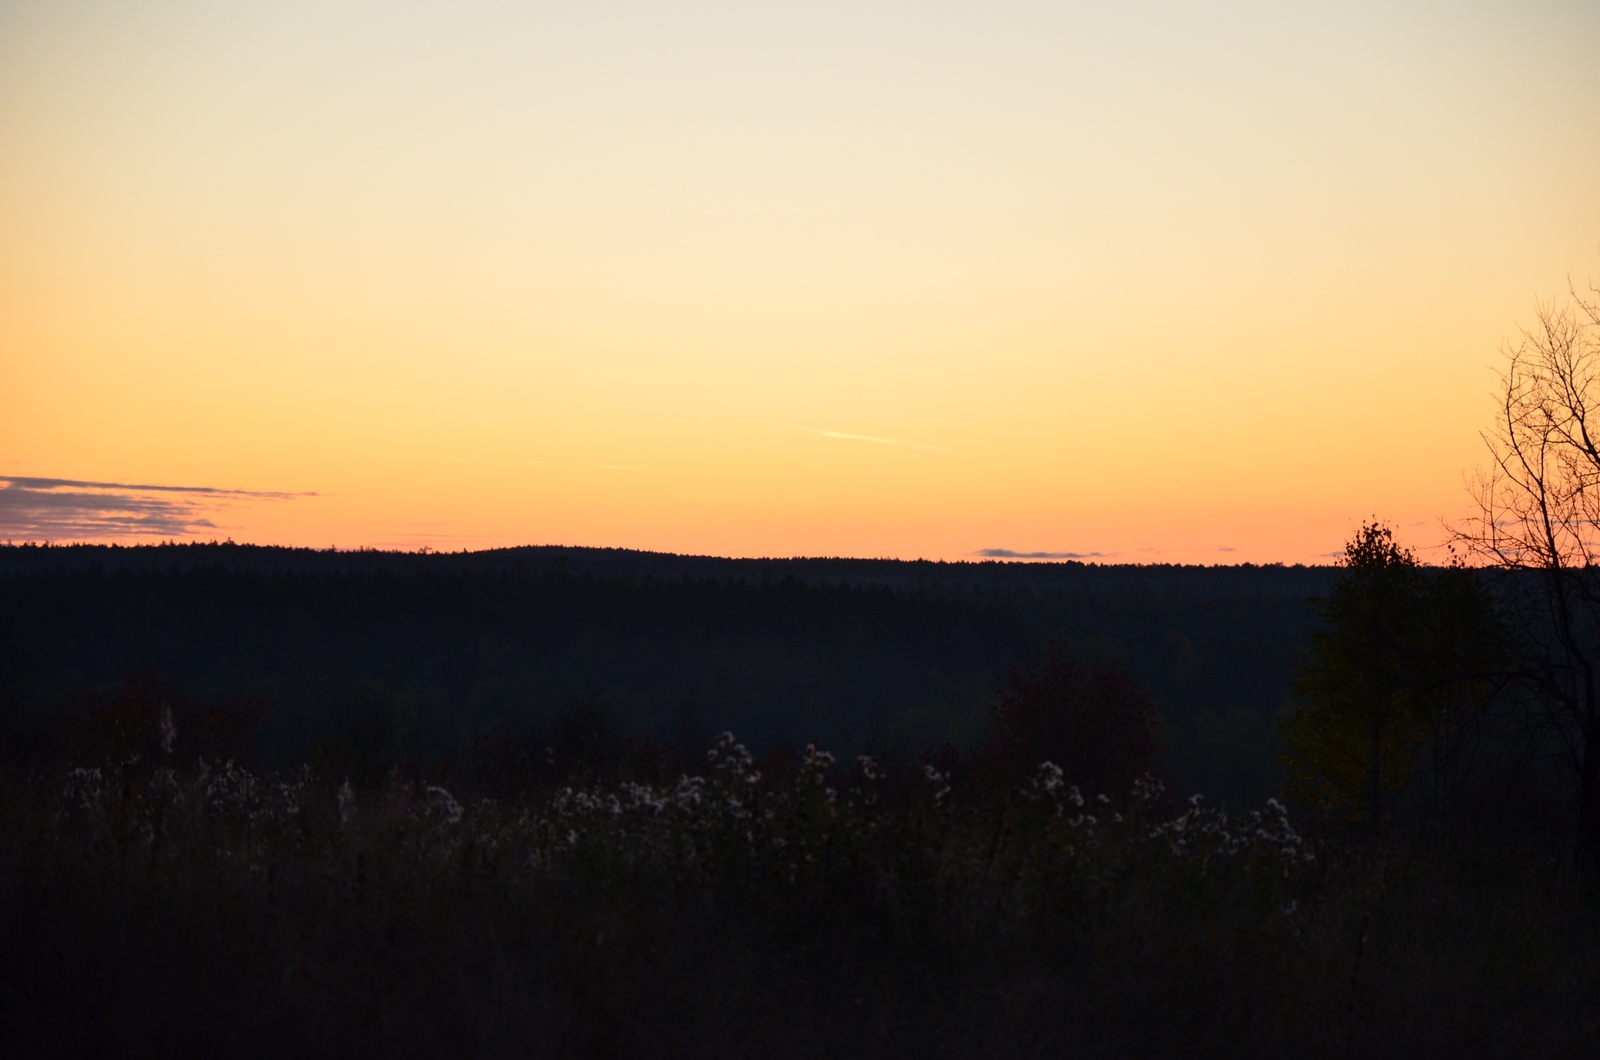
(1006, 553)
(72, 483)
(1192, 554)
(848, 437)
(61, 509)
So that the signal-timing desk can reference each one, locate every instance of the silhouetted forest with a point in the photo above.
(386, 657)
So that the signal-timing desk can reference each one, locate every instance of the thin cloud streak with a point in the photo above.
(846, 436)
(211, 491)
(57, 509)
(1006, 553)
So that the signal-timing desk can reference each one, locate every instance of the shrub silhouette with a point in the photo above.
(1094, 720)
(585, 739)
(147, 719)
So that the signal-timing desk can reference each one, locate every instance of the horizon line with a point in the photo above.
(1015, 560)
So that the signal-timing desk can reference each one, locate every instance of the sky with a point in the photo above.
(1143, 282)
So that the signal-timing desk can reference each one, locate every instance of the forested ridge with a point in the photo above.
(410, 655)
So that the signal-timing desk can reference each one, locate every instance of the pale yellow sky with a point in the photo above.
(1178, 282)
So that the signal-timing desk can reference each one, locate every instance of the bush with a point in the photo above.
(145, 719)
(1092, 719)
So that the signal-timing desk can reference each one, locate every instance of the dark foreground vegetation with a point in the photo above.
(789, 906)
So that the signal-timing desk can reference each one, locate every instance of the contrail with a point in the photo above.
(865, 438)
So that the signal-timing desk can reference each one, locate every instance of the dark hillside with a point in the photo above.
(984, 577)
(404, 655)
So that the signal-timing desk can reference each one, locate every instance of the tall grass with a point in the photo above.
(796, 907)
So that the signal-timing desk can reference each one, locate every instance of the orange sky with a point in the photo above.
(1176, 282)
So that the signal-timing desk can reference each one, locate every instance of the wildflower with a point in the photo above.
(1148, 788)
(869, 768)
(166, 783)
(232, 790)
(347, 802)
(816, 762)
(687, 795)
(443, 803)
(643, 797)
(730, 756)
(169, 731)
(83, 786)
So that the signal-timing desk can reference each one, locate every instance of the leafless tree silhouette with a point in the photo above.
(1538, 513)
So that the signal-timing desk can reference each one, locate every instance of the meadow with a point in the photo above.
(792, 906)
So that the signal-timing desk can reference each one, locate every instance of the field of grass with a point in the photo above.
(795, 906)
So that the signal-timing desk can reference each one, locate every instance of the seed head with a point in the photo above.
(169, 731)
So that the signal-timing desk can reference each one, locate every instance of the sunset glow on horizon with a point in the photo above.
(1164, 282)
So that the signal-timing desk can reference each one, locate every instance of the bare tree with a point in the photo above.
(1538, 513)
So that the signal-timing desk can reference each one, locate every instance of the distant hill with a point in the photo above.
(418, 655)
(1276, 580)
